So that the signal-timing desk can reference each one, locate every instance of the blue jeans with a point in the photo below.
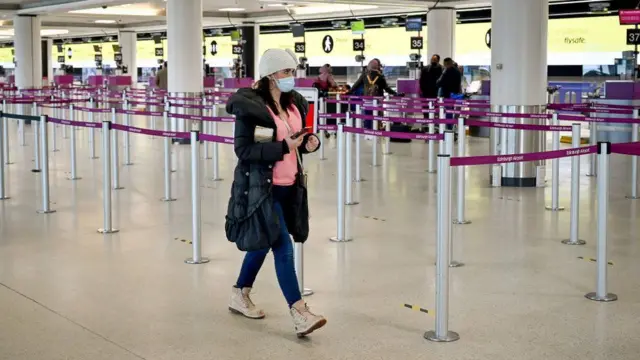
(282, 255)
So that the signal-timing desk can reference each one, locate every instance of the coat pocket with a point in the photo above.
(255, 232)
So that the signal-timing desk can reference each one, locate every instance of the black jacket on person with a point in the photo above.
(450, 82)
(429, 76)
(375, 81)
(251, 222)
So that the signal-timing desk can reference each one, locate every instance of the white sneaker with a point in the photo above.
(240, 303)
(304, 321)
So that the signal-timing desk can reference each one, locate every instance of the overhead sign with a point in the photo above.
(300, 47)
(417, 43)
(61, 59)
(358, 44)
(633, 36)
(629, 17)
(98, 58)
(214, 47)
(327, 44)
(487, 38)
(117, 57)
(160, 52)
(236, 49)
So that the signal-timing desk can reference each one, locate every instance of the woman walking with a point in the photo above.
(268, 201)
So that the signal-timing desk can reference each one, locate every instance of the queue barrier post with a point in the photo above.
(341, 235)
(74, 164)
(443, 230)
(299, 267)
(601, 294)
(593, 140)
(196, 203)
(167, 160)
(65, 129)
(358, 177)
(575, 191)
(36, 141)
(106, 180)
(216, 149)
(462, 171)
(44, 176)
(387, 126)
(555, 168)
(449, 139)
(322, 108)
(431, 165)
(126, 136)
(92, 132)
(634, 161)
(54, 129)
(3, 140)
(441, 129)
(21, 132)
(374, 140)
(205, 130)
(5, 136)
(115, 158)
(349, 163)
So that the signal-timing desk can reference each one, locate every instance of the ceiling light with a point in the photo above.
(43, 32)
(105, 21)
(124, 10)
(232, 9)
(328, 8)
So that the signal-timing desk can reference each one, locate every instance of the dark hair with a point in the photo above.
(448, 60)
(166, 63)
(327, 65)
(263, 88)
(436, 55)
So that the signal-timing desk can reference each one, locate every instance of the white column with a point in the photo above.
(441, 32)
(184, 46)
(49, 56)
(28, 50)
(519, 52)
(256, 51)
(127, 40)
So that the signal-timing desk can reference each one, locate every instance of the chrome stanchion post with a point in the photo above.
(167, 160)
(348, 163)
(601, 294)
(593, 140)
(216, 149)
(299, 267)
(358, 122)
(44, 149)
(340, 213)
(126, 136)
(54, 131)
(431, 167)
(3, 140)
(92, 132)
(374, 141)
(441, 332)
(441, 129)
(555, 169)
(575, 191)
(205, 130)
(196, 216)
(387, 127)
(21, 133)
(461, 171)
(115, 158)
(449, 139)
(5, 136)
(36, 141)
(106, 179)
(634, 161)
(74, 165)
(322, 105)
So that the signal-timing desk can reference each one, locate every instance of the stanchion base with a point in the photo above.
(461, 222)
(217, 179)
(359, 180)
(55, 150)
(36, 170)
(94, 157)
(307, 292)
(323, 159)
(561, 208)
(9, 163)
(191, 261)
(5, 198)
(389, 153)
(335, 239)
(128, 164)
(118, 188)
(45, 211)
(352, 203)
(450, 337)
(174, 170)
(455, 264)
(592, 175)
(431, 171)
(569, 242)
(167, 200)
(74, 178)
(607, 298)
(632, 197)
(377, 165)
(108, 231)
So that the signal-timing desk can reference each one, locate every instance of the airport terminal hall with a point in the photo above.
(319, 179)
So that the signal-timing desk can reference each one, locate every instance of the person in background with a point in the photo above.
(325, 80)
(449, 82)
(465, 83)
(374, 83)
(162, 80)
(268, 203)
(429, 76)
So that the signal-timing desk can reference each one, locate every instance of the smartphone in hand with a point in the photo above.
(301, 132)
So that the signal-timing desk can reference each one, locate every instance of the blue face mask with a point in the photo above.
(286, 84)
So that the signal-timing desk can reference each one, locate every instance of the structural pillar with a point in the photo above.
(48, 54)
(250, 49)
(441, 32)
(519, 79)
(28, 51)
(127, 40)
(184, 48)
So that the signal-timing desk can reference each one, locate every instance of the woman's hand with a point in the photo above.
(294, 144)
(312, 143)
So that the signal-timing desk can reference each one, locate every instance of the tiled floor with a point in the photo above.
(67, 292)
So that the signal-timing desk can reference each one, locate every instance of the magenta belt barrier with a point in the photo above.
(344, 102)
(93, 110)
(631, 148)
(498, 114)
(501, 159)
(404, 119)
(146, 103)
(138, 112)
(394, 135)
(95, 125)
(203, 118)
(332, 116)
(404, 110)
(327, 127)
(567, 117)
(517, 126)
(137, 130)
(216, 139)
(190, 106)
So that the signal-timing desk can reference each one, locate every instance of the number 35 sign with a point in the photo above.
(417, 43)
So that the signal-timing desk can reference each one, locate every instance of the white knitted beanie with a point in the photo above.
(274, 60)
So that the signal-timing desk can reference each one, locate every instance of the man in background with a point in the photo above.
(429, 77)
(450, 81)
(162, 81)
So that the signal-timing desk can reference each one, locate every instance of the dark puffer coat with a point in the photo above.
(251, 222)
